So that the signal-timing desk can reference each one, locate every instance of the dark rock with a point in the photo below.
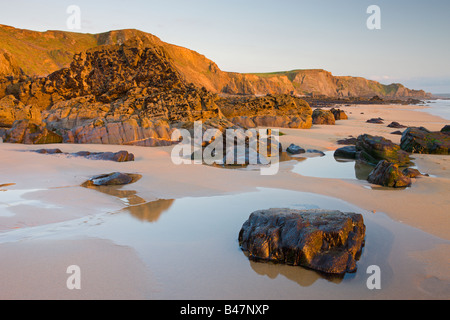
(121, 156)
(111, 179)
(398, 132)
(347, 141)
(375, 120)
(321, 153)
(412, 173)
(387, 174)
(446, 129)
(49, 151)
(327, 241)
(372, 149)
(321, 116)
(294, 149)
(396, 125)
(421, 140)
(348, 152)
(376, 99)
(3, 133)
(81, 153)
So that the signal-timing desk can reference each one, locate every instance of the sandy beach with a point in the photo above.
(48, 222)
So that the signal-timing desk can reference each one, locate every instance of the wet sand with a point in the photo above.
(50, 208)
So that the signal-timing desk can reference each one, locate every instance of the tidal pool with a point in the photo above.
(190, 245)
(330, 167)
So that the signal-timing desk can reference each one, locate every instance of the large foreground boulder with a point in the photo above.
(421, 140)
(388, 174)
(327, 241)
(372, 149)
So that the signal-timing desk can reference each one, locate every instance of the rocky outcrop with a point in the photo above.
(388, 174)
(269, 111)
(27, 132)
(372, 149)
(11, 109)
(421, 140)
(446, 129)
(9, 66)
(327, 241)
(322, 116)
(120, 94)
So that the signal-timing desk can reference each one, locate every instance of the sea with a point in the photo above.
(439, 107)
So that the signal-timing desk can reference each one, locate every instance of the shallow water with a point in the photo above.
(439, 108)
(191, 247)
(330, 167)
(11, 198)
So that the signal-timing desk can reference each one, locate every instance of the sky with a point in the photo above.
(411, 47)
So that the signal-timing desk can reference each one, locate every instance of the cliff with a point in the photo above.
(41, 53)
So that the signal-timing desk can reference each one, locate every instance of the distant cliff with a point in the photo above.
(41, 53)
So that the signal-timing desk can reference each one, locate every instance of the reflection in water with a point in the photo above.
(136, 206)
(129, 197)
(362, 170)
(331, 167)
(202, 233)
(150, 211)
(302, 276)
(283, 157)
(6, 185)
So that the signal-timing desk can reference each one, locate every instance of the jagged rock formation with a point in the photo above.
(268, 111)
(41, 53)
(132, 94)
(27, 132)
(118, 94)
